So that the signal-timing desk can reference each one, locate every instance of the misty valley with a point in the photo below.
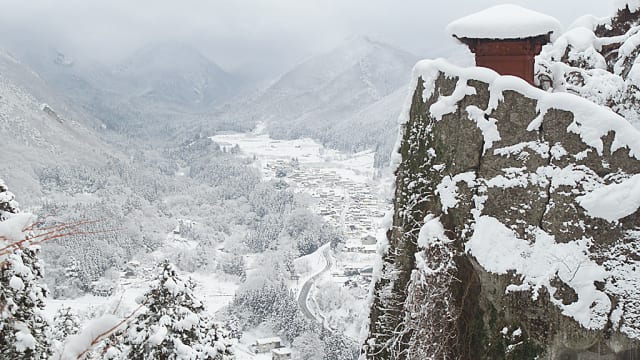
(225, 181)
(272, 232)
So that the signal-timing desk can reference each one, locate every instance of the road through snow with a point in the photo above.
(306, 287)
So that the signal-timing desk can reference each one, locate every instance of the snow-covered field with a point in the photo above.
(215, 291)
(356, 167)
(343, 185)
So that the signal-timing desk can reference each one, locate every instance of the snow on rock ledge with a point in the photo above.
(539, 262)
(615, 201)
(504, 22)
(591, 121)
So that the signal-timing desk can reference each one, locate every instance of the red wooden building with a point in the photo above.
(506, 38)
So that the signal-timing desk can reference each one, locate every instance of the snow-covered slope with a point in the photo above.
(37, 128)
(175, 74)
(157, 92)
(321, 96)
(597, 58)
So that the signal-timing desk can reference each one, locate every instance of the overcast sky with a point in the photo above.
(263, 35)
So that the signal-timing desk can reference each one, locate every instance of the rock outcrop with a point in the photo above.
(597, 58)
(515, 231)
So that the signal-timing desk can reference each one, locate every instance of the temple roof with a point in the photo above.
(504, 22)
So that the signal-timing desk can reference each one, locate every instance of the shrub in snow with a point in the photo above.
(266, 300)
(232, 324)
(339, 347)
(234, 265)
(174, 323)
(309, 231)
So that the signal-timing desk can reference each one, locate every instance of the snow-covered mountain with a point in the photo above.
(175, 74)
(326, 96)
(38, 128)
(154, 92)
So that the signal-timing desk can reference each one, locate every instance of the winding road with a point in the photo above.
(306, 287)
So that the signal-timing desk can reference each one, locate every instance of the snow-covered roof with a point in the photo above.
(270, 340)
(504, 22)
(281, 351)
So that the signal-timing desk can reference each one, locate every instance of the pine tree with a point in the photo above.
(23, 328)
(174, 324)
(65, 323)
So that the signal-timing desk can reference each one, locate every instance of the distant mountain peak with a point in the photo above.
(170, 56)
(364, 40)
(175, 73)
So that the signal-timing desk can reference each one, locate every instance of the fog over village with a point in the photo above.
(360, 180)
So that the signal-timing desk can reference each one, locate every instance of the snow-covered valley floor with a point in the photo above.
(344, 191)
(341, 187)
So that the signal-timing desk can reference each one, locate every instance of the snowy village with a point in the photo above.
(320, 180)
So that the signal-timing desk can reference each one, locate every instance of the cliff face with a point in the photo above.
(516, 230)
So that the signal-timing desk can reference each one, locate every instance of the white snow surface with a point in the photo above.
(76, 344)
(431, 231)
(448, 189)
(487, 126)
(499, 250)
(587, 21)
(16, 283)
(614, 201)
(24, 340)
(504, 22)
(12, 229)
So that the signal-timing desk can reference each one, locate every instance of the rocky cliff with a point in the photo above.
(515, 232)
(597, 58)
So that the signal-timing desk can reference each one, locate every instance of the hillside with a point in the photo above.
(163, 91)
(174, 74)
(336, 97)
(39, 129)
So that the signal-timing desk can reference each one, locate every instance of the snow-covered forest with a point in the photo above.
(289, 188)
